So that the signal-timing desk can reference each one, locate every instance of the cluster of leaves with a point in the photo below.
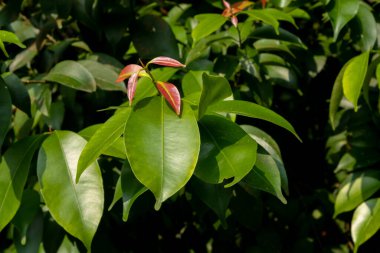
(72, 145)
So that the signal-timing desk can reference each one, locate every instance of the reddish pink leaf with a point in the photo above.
(226, 4)
(166, 61)
(263, 3)
(242, 5)
(171, 94)
(132, 83)
(128, 71)
(234, 21)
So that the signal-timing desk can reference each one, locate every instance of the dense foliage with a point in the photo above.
(156, 126)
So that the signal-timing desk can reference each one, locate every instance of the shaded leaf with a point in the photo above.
(23, 58)
(252, 110)
(363, 25)
(5, 110)
(73, 75)
(103, 138)
(18, 92)
(56, 170)
(336, 96)
(154, 138)
(226, 151)
(14, 169)
(357, 188)
(341, 12)
(365, 222)
(354, 76)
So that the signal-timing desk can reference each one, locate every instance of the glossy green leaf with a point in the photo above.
(118, 194)
(266, 176)
(252, 110)
(72, 74)
(117, 149)
(207, 24)
(56, 114)
(131, 189)
(354, 76)
(280, 15)
(103, 138)
(77, 207)
(14, 169)
(267, 32)
(10, 37)
(215, 196)
(30, 205)
(341, 12)
(154, 141)
(214, 89)
(226, 151)
(336, 96)
(363, 25)
(18, 92)
(5, 110)
(357, 188)
(147, 38)
(266, 18)
(365, 222)
(67, 247)
(270, 146)
(105, 75)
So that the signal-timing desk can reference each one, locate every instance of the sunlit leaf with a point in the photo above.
(207, 24)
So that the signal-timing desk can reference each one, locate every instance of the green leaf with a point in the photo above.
(280, 15)
(10, 37)
(365, 222)
(32, 241)
(267, 32)
(104, 75)
(207, 24)
(148, 34)
(18, 92)
(23, 58)
(160, 144)
(270, 146)
(214, 89)
(14, 169)
(357, 188)
(363, 25)
(77, 207)
(131, 189)
(266, 18)
(336, 96)
(265, 176)
(103, 138)
(341, 12)
(378, 75)
(67, 246)
(215, 196)
(117, 149)
(5, 110)
(354, 76)
(252, 110)
(226, 151)
(72, 74)
(118, 194)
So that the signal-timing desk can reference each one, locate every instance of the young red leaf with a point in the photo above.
(242, 5)
(234, 21)
(128, 71)
(132, 82)
(171, 94)
(166, 61)
(226, 4)
(263, 3)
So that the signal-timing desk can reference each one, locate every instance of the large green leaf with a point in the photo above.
(365, 222)
(72, 74)
(9, 37)
(265, 176)
(252, 110)
(131, 189)
(356, 189)
(280, 15)
(105, 75)
(5, 110)
(341, 12)
(148, 34)
(77, 207)
(207, 24)
(14, 169)
(18, 92)
(162, 148)
(266, 18)
(267, 32)
(215, 196)
(103, 138)
(354, 76)
(363, 27)
(336, 96)
(214, 89)
(226, 151)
